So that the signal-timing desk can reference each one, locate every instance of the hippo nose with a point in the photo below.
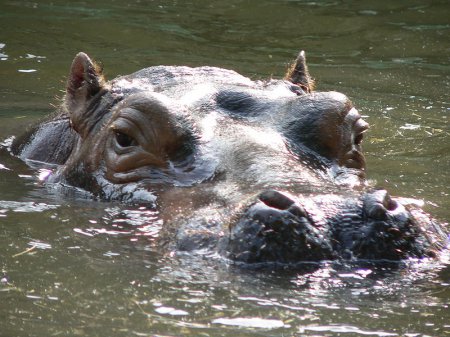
(379, 205)
(276, 228)
(389, 230)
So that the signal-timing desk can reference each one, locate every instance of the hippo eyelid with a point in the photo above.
(360, 128)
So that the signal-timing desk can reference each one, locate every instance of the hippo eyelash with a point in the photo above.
(124, 140)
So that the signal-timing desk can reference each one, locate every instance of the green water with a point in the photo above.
(73, 267)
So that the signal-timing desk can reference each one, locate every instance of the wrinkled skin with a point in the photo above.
(258, 171)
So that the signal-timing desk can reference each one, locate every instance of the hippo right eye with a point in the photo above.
(123, 140)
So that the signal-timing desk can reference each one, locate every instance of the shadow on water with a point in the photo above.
(73, 266)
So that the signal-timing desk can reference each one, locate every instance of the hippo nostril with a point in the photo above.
(297, 210)
(389, 204)
(276, 200)
(377, 204)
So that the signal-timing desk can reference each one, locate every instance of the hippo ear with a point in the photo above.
(298, 73)
(84, 82)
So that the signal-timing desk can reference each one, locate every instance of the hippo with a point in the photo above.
(257, 171)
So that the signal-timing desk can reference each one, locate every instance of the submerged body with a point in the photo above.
(258, 171)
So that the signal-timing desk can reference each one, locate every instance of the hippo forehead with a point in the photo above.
(164, 78)
(147, 102)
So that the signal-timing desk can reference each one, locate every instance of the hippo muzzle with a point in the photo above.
(281, 228)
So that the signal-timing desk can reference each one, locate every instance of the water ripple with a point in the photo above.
(345, 329)
(25, 207)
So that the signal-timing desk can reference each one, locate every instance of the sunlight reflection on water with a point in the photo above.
(25, 207)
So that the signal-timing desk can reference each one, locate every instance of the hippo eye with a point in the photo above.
(359, 138)
(123, 140)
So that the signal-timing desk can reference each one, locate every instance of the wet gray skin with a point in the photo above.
(259, 171)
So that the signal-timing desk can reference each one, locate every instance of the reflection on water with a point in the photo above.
(99, 271)
(16, 206)
(71, 266)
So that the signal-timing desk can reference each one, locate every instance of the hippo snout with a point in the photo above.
(278, 227)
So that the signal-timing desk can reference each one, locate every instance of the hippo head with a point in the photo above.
(132, 129)
(262, 171)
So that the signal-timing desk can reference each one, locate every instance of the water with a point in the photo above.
(75, 267)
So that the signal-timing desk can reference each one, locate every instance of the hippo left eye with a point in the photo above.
(123, 140)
